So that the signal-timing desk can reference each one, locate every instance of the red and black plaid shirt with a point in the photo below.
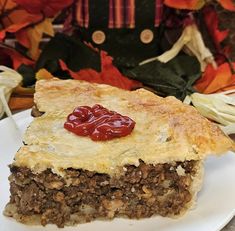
(117, 10)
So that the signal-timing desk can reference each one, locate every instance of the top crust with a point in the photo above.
(166, 130)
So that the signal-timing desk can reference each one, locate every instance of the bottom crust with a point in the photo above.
(81, 196)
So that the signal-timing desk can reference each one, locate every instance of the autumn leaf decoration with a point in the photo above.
(198, 4)
(80, 62)
(217, 80)
(27, 21)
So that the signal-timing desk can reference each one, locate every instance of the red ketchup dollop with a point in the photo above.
(98, 123)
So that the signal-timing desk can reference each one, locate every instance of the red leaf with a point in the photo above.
(197, 4)
(205, 79)
(12, 29)
(89, 75)
(211, 20)
(221, 57)
(109, 74)
(17, 58)
(112, 76)
(48, 7)
(227, 4)
(15, 27)
(23, 38)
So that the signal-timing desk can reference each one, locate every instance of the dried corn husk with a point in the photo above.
(192, 43)
(219, 107)
(9, 79)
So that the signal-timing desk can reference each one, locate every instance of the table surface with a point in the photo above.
(231, 225)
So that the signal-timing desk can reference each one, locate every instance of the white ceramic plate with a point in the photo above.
(215, 207)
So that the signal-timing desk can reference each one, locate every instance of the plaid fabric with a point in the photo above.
(121, 13)
(82, 13)
(158, 12)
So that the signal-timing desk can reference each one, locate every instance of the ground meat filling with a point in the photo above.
(83, 195)
(35, 112)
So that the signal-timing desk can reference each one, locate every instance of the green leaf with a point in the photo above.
(173, 78)
(28, 75)
(71, 50)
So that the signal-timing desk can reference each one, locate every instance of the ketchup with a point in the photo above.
(98, 123)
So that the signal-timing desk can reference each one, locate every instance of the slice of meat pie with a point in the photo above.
(96, 151)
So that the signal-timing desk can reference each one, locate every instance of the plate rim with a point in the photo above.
(17, 115)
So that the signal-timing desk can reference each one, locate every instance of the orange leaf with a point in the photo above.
(35, 35)
(216, 80)
(227, 4)
(43, 74)
(223, 78)
(8, 4)
(19, 21)
(185, 4)
(16, 21)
